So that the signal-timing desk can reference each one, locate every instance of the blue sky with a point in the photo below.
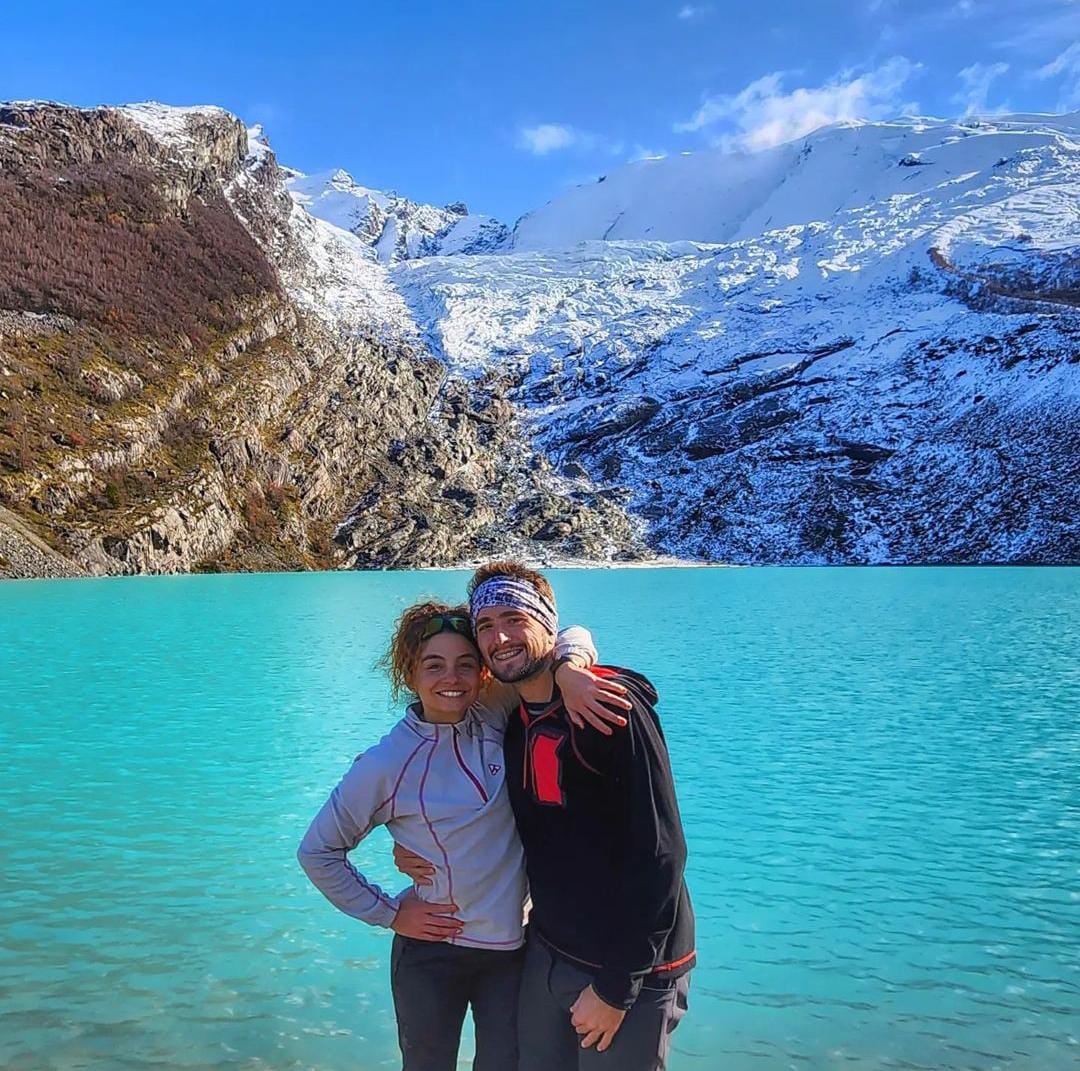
(504, 104)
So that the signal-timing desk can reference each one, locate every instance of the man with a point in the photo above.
(611, 934)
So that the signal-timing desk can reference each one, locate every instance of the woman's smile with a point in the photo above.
(447, 677)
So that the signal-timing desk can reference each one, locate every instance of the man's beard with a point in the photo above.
(530, 669)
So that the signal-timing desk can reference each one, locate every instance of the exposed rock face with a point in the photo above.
(204, 151)
(345, 388)
(261, 427)
(463, 485)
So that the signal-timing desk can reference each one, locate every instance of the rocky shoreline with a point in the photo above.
(25, 556)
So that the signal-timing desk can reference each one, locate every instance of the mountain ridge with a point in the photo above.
(896, 382)
(259, 423)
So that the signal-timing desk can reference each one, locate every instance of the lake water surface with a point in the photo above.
(879, 772)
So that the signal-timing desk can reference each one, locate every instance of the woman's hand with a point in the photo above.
(412, 865)
(587, 698)
(426, 922)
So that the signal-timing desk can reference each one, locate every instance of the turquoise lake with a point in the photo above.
(879, 772)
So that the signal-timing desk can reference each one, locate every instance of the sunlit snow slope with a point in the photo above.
(862, 346)
(902, 168)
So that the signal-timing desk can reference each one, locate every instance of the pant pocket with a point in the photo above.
(566, 982)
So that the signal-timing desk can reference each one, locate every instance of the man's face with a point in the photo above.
(514, 645)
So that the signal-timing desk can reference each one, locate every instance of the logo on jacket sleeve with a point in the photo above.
(494, 767)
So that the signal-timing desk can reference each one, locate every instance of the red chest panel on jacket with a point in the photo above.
(546, 767)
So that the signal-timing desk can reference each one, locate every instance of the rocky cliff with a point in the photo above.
(860, 347)
(178, 392)
(394, 227)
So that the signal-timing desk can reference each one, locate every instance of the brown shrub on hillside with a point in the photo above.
(98, 243)
(15, 452)
(266, 509)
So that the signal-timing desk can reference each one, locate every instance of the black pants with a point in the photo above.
(550, 986)
(433, 983)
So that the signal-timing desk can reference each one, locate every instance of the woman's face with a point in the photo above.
(447, 677)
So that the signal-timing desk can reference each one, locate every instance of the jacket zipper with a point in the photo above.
(468, 773)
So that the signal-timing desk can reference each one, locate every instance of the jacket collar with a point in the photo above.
(430, 730)
(552, 707)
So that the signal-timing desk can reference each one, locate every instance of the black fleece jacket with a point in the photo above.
(604, 845)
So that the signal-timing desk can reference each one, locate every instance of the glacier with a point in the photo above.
(859, 347)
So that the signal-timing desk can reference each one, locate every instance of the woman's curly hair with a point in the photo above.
(401, 657)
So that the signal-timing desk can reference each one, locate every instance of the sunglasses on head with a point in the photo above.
(447, 623)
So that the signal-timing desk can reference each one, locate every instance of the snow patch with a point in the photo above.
(168, 124)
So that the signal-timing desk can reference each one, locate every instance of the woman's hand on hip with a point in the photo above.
(426, 922)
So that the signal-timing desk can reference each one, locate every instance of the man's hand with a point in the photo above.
(585, 695)
(412, 865)
(596, 1022)
(427, 922)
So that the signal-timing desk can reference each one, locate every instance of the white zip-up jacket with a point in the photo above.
(440, 791)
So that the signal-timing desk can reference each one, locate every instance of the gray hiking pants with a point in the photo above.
(549, 987)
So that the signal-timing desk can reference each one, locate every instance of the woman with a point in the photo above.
(436, 782)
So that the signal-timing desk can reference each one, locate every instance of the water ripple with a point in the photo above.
(878, 773)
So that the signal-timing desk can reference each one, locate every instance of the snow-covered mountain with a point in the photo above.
(862, 346)
(395, 227)
(907, 173)
(198, 374)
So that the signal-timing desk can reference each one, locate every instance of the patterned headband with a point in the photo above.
(513, 591)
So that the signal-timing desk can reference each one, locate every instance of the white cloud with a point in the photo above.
(693, 11)
(976, 81)
(555, 137)
(763, 115)
(1066, 67)
(548, 137)
(1066, 63)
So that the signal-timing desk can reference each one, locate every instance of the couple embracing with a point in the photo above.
(522, 771)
